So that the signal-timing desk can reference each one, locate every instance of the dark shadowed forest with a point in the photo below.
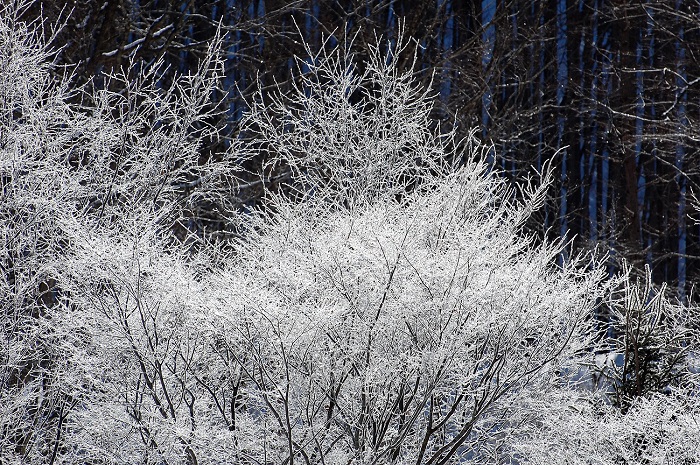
(607, 89)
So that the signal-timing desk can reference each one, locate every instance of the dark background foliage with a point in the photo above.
(608, 88)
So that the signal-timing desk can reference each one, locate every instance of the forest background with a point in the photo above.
(607, 90)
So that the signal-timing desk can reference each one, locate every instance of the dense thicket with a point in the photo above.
(388, 304)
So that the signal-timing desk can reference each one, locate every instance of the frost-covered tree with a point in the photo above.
(352, 130)
(78, 165)
(367, 319)
(652, 340)
(406, 332)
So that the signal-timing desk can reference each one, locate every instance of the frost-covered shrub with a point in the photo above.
(403, 331)
(389, 328)
(658, 429)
